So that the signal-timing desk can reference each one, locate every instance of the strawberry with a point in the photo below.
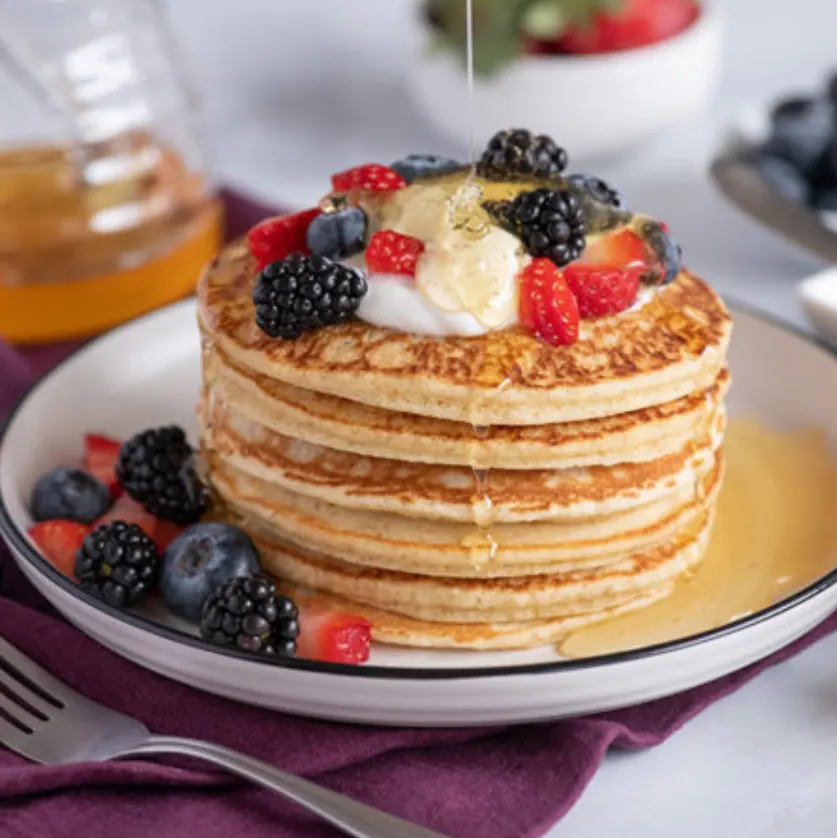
(600, 291)
(547, 306)
(621, 249)
(370, 178)
(277, 238)
(393, 253)
(637, 23)
(333, 636)
(59, 541)
(100, 456)
(162, 533)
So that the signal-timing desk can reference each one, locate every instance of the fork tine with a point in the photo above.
(53, 689)
(16, 713)
(20, 692)
(17, 740)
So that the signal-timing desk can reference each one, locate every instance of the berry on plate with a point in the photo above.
(338, 235)
(550, 222)
(371, 177)
(126, 509)
(635, 23)
(71, 494)
(333, 637)
(117, 562)
(548, 309)
(302, 293)
(100, 456)
(199, 561)
(393, 253)
(157, 469)
(59, 542)
(277, 238)
(518, 153)
(601, 291)
(248, 614)
(415, 166)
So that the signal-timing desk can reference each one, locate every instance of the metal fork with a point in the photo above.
(44, 720)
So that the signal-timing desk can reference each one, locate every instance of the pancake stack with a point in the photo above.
(486, 492)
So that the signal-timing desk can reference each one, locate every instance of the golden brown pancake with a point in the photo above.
(665, 350)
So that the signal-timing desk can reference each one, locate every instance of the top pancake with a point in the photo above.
(673, 346)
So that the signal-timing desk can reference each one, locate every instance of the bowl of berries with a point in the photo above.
(604, 75)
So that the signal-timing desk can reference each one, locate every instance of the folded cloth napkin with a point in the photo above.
(500, 782)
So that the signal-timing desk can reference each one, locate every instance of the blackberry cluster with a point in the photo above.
(301, 293)
(157, 469)
(521, 154)
(248, 614)
(599, 190)
(550, 222)
(118, 562)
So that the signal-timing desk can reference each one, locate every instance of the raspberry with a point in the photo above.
(277, 238)
(548, 309)
(370, 178)
(602, 291)
(393, 253)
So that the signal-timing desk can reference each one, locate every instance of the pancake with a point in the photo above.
(505, 600)
(395, 542)
(446, 492)
(344, 425)
(667, 349)
(397, 630)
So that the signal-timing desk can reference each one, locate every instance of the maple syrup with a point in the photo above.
(775, 534)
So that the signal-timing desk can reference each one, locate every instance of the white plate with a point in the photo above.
(147, 373)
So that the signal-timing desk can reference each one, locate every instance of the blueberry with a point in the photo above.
(200, 560)
(802, 128)
(424, 165)
(599, 190)
(667, 250)
(338, 235)
(69, 493)
(781, 175)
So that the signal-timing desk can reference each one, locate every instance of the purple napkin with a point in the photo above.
(502, 782)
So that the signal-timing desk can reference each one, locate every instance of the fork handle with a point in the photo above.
(353, 818)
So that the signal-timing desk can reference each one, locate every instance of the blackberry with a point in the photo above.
(598, 190)
(117, 562)
(550, 222)
(157, 469)
(248, 614)
(520, 153)
(300, 293)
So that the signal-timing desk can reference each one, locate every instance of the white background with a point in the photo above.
(298, 89)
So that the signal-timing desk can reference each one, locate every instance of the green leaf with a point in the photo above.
(544, 19)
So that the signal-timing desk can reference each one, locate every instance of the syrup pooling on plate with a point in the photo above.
(775, 534)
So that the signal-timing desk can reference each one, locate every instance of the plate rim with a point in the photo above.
(20, 545)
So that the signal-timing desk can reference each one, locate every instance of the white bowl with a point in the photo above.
(594, 106)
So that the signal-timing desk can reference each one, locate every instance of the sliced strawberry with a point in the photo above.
(548, 309)
(393, 253)
(100, 456)
(333, 637)
(59, 541)
(162, 533)
(277, 238)
(370, 178)
(623, 248)
(599, 291)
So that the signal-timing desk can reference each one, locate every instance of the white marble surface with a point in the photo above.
(297, 89)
